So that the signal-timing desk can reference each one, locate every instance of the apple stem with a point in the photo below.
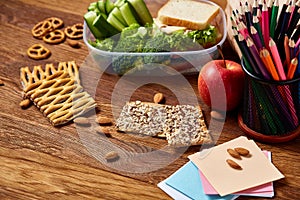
(222, 55)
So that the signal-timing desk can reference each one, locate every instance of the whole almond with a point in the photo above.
(82, 121)
(158, 98)
(217, 115)
(242, 151)
(112, 155)
(73, 43)
(103, 130)
(233, 153)
(25, 103)
(104, 121)
(233, 164)
(1, 83)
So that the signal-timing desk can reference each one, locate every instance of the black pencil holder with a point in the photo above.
(271, 109)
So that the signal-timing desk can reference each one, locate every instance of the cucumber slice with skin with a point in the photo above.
(119, 3)
(113, 20)
(105, 27)
(101, 6)
(89, 18)
(142, 11)
(127, 14)
(117, 13)
(109, 6)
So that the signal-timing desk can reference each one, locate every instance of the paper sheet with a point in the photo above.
(187, 181)
(265, 190)
(257, 169)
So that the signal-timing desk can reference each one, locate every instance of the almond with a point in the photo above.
(103, 121)
(73, 43)
(25, 103)
(1, 83)
(82, 121)
(158, 98)
(242, 151)
(103, 130)
(111, 156)
(233, 153)
(233, 164)
(217, 115)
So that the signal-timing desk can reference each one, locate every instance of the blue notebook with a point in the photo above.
(187, 181)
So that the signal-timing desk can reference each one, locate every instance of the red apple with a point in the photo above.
(221, 85)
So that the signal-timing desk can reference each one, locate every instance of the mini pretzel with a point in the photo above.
(56, 22)
(41, 29)
(38, 52)
(54, 37)
(75, 31)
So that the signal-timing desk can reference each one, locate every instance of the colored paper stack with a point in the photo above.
(269, 42)
(207, 175)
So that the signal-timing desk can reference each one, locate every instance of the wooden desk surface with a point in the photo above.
(38, 161)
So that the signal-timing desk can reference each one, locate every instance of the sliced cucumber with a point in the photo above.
(142, 11)
(105, 27)
(117, 13)
(113, 20)
(101, 6)
(89, 18)
(127, 14)
(109, 6)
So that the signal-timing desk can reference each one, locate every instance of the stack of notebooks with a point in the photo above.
(208, 176)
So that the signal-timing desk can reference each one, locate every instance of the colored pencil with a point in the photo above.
(258, 29)
(280, 19)
(248, 16)
(260, 4)
(256, 38)
(274, 15)
(287, 51)
(266, 58)
(254, 7)
(292, 68)
(265, 24)
(293, 22)
(276, 59)
(254, 52)
(270, 6)
(246, 53)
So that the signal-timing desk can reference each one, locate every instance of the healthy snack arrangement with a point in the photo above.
(127, 26)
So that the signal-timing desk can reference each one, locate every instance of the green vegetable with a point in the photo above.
(109, 6)
(101, 6)
(113, 20)
(106, 28)
(206, 37)
(117, 13)
(124, 63)
(89, 18)
(142, 11)
(132, 39)
(127, 14)
(105, 44)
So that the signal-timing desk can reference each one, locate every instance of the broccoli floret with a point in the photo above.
(158, 42)
(179, 41)
(131, 39)
(124, 63)
(105, 45)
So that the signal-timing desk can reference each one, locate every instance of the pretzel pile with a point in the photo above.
(49, 31)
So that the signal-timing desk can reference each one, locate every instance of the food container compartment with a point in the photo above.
(185, 62)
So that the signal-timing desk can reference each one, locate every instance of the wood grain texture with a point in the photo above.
(38, 161)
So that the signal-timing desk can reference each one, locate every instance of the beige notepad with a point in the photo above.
(257, 169)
